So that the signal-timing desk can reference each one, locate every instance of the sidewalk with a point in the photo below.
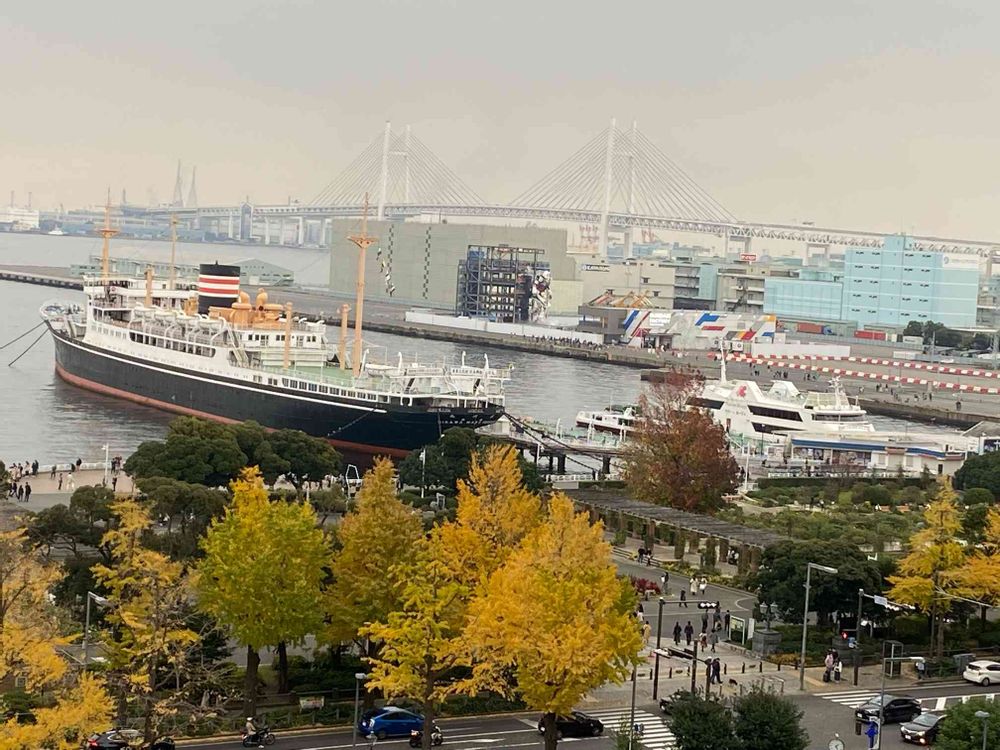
(45, 491)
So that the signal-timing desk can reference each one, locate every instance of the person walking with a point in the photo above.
(688, 632)
(684, 597)
(27, 492)
(702, 586)
(71, 483)
(677, 633)
(713, 639)
(52, 474)
(60, 482)
(20, 492)
(726, 620)
(828, 664)
(693, 586)
(717, 671)
(704, 622)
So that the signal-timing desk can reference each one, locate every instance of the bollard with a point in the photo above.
(725, 668)
(779, 666)
(651, 674)
(671, 675)
(760, 667)
(744, 669)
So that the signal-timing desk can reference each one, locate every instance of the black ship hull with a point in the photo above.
(356, 426)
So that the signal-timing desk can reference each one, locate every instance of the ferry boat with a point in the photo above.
(745, 409)
(206, 350)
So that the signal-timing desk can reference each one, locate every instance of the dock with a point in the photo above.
(538, 442)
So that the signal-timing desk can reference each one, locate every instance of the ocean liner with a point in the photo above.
(207, 350)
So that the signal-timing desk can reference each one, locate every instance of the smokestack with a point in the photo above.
(218, 286)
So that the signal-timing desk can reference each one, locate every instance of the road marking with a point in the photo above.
(855, 698)
(656, 734)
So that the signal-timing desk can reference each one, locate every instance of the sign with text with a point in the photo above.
(748, 257)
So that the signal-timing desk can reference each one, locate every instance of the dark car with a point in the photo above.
(897, 709)
(923, 730)
(390, 721)
(576, 724)
(119, 739)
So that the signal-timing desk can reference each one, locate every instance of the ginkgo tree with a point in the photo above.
(932, 564)
(979, 576)
(30, 643)
(556, 616)
(262, 575)
(148, 596)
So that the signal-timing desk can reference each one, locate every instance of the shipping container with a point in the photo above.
(870, 335)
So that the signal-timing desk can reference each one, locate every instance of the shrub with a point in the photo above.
(978, 496)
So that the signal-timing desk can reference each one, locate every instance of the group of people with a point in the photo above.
(710, 632)
(19, 488)
(834, 667)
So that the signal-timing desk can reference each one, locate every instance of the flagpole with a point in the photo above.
(423, 471)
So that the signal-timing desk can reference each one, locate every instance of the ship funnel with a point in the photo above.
(218, 286)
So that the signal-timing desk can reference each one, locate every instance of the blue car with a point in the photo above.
(389, 721)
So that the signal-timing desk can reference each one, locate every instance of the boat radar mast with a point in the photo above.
(107, 233)
(363, 241)
(722, 361)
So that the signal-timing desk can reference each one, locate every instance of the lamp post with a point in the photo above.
(100, 601)
(886, 660)
(659, 632)
(359, 677)
(984, 715)
(805, 619)
(107, 462)
(857, 639)
(631, 711)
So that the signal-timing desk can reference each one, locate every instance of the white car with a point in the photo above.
(983, 672)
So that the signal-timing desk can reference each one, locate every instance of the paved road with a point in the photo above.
(826, 713)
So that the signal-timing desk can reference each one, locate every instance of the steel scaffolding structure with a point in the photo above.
(495, 282)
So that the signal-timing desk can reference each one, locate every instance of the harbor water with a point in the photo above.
(47, 419)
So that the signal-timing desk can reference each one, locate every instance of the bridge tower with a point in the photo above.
(178, 201)
(192, 201)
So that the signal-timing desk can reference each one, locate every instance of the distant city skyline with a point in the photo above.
(857, 115)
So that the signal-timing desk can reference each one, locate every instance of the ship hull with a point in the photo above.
(388, 429)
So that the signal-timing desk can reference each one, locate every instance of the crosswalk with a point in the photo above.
(854, 698)
(656, 735)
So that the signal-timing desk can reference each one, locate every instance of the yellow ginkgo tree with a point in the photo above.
(928, 572)
(73, 702)
(979, 576)
(555, 616)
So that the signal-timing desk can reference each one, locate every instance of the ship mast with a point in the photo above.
(107, 233)
(173, 250)
(363, 241)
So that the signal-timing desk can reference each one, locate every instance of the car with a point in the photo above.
(897, 709)
(389, 721)
(983, 672)
(574, 724)
(120, 739)
(923, 730)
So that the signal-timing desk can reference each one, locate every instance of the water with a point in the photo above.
(47, 419)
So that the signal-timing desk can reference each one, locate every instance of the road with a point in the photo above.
(826, 713)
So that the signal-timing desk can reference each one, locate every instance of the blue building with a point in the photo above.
(895, 284)
(812, 295)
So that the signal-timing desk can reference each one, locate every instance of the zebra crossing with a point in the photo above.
(656, 735)
(854, 698)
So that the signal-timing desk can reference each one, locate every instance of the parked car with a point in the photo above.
(576, 724)
(119, 739)
(389, 721)
(923, 730)
(897, 709)
(982, 672)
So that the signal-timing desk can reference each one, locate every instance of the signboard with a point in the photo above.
(738, 625)
(881, 601)
(748, 257)
(311, 702)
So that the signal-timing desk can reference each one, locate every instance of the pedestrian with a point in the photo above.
(717, 670)
(684, 598)
(702, 586)
(828, 664)
(34, 468)
(677, 633)
(688, 632)
(693, 586)
(52, 474)
(20, 492)
(114, 483)
(838, 668)
(713, 638)
(703, 640)
(921, 666)
(59, 488)
(27, 492)
(726, 618)
(70, 483)
(704, 622)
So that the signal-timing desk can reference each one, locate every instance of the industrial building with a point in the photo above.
(417, 263)
(253, 272)
(504, 284)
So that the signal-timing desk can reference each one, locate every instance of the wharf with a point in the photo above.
(538, 441)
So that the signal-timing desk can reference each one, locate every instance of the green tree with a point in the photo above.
(188, 510)
(963, 730)
(309, 459)
(150, 642)
(980, 471)
(93, 503)
(934, 558)
(679, 457)
(262, 575)
(782, 575)
(978, 496)
(195, 451)
(765, 721)
(914, 328)
(255, 445)
(555, 617)
(377, 539)
(700, 724)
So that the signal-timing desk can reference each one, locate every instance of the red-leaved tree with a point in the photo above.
(678, 456)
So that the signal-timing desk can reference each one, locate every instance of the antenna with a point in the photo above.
(363, 241)
(107, 233)
(173, 250)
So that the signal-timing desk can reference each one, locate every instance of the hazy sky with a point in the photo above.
(881, 115)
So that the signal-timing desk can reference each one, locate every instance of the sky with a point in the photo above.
(859, 115)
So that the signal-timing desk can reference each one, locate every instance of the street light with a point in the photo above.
(984, 715)
(359, 677)
(805, 619)
(659, 632)
(631, 712)
(100, 601)
(886, 660)
(107, 462)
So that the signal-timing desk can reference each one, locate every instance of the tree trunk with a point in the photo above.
(250, 682)
(428, 706)
(282, 668)
(551, 738)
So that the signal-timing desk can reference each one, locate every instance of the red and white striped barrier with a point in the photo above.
(904, 363)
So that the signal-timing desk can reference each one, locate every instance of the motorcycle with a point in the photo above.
(263, 736)
(417, 736)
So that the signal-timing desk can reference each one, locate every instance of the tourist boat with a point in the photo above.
(208, 350)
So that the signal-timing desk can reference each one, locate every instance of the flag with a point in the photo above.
(423, 455)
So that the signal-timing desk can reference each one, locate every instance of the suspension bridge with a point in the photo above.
(618, 181)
